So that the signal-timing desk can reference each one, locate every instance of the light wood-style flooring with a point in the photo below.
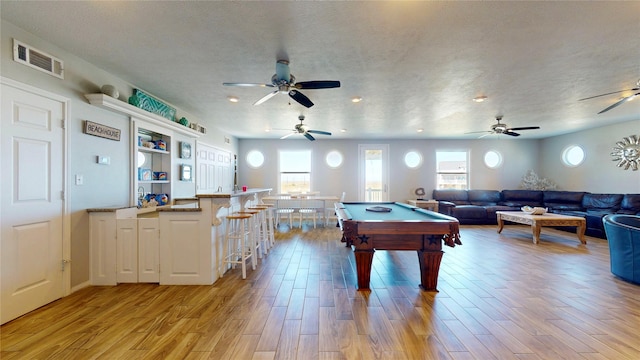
(501, 297)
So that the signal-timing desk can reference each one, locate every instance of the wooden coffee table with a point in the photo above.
(538, 221)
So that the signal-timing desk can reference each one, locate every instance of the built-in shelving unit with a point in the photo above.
(151, 162)
(145, 161)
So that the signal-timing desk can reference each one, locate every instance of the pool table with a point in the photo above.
(405, 227)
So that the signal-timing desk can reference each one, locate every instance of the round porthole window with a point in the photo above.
(412, 159)
(334, 158)
(255, 159)
(142, 159)
(492, 159)
(573, 155)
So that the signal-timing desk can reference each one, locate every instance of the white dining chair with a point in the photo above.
(330, 211)
(311, 209)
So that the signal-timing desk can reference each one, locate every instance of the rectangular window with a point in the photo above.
(452, 169)
(295, 171)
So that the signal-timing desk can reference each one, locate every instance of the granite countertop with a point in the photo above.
(182, 207)
(233, 194)
(108, 209)
(146, 210)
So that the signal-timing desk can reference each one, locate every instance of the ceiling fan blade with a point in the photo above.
(317, 84)
(511, 133)
(525, 128)
(478, 132)
(247, 84)
(266, 97)
(308, 136)
(286, 136)
(301, 98)
(630, 97)
(319, 132)
(614, 92)
(487, 134)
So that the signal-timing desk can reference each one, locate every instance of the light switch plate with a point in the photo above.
(103, 160)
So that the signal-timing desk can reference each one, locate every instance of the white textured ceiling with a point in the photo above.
(415, 64)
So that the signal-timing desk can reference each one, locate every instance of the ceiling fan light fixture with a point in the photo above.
(480, 98)
(285, 83)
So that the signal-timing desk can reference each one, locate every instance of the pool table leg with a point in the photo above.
(429, 268)
(364, 259)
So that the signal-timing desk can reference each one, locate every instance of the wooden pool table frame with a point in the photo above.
(425, 236)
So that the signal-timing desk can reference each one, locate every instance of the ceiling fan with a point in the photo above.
(302, 130)
(501, 128)
(619, 102)
(285, 83)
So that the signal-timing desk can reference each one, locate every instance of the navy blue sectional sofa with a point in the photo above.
(479, 206)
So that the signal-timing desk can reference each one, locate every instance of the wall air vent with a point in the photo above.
(37, 59)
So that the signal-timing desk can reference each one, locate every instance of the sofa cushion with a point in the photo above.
(563, 200)
(484, 197)
(630, 204)
(519, 198)
(553, 207)
(602, 202)
(491, 210)
(458, 197)
(469, 212)
(582, 214)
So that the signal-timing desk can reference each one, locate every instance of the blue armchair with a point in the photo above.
(623, 235)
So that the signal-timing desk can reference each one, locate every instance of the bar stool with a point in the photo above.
(271, 225)
(254, 224)
(262, 228)
(237, 244)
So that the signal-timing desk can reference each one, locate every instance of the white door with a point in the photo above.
(373, 172)
(214, 169)
(31, 205)
(127, 250)
(148, 250)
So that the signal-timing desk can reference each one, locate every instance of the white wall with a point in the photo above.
(519, 156)
(104, 186)
(598, 173)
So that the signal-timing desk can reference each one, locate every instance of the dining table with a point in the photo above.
(322, 203)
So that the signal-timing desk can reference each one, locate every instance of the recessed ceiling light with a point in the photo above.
(267, 130)
(480, 98)
(420, 130)
(356, 99)
(233, 99)
(343, 130)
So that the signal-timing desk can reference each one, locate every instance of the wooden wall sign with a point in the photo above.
(102, 131)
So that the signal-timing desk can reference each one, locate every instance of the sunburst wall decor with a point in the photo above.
(627, 152)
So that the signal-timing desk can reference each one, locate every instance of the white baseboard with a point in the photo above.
(80, 286)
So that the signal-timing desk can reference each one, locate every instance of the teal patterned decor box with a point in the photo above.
(153, 105)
